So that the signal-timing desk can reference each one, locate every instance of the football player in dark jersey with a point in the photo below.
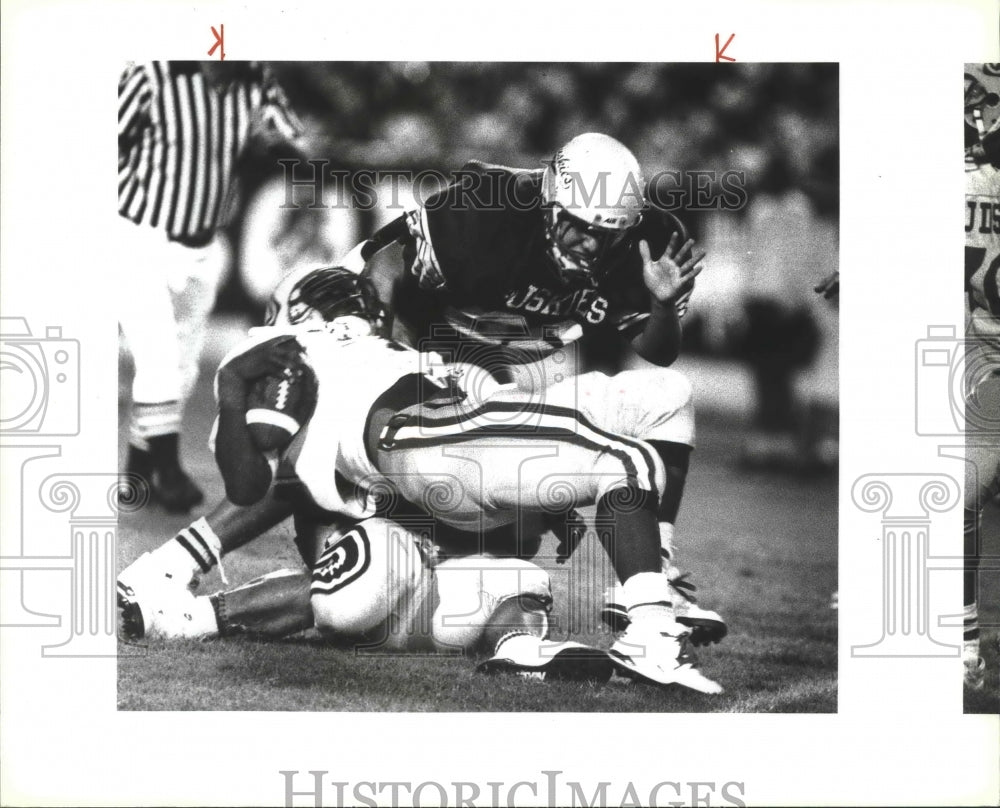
(982, 348)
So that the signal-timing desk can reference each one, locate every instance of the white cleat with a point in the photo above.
(165, 612)
(648, 653)
(706, 626)
(146, 595)
(534, 658)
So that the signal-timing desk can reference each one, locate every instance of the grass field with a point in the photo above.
(762, 550)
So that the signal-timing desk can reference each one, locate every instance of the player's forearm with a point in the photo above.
(245, 471)
(660, 340)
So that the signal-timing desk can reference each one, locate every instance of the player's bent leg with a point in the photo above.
(658, 408)
(654, 647)
(365, 577)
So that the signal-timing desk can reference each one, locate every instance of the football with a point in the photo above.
(279, 405)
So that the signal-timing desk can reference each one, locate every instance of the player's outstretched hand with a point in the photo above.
(671, 277)
(271, 357)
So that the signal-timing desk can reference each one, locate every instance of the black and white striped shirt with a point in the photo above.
(179, 134)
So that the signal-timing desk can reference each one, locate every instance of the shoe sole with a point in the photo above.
(629, 671)
(704, 632)
(133, 627)
(569, 665)
(580, 665)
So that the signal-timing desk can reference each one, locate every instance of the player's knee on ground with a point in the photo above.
(360, 580)
(471, 589)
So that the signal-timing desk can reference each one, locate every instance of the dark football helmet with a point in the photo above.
(328, 294)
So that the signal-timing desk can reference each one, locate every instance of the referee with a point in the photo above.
(181, 128)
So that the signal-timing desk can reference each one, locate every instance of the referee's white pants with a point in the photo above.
(165, 293)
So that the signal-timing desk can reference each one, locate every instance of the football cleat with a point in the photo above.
(706, 626)
(163, 612)
(176, 491)
(534, 658)
(648, 653)
(139, 581)
(167, 483)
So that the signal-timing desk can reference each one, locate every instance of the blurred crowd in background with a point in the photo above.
(776, 124)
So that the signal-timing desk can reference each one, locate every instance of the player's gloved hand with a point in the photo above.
(829, 287)
(274, 356)
(670, 278)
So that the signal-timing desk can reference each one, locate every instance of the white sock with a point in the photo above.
(153, 420)
(195, 549)
(647, 597)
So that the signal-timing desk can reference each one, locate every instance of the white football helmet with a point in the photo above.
(593, 194)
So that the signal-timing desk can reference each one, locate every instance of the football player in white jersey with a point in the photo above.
(474, 454)
(982, 358)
